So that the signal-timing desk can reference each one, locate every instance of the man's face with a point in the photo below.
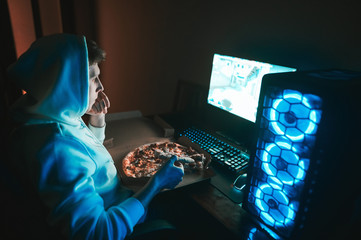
(95, 86)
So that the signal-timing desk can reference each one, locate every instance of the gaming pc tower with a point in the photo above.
(303, 177)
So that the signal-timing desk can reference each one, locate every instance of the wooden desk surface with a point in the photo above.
(219, 206)
(230, 214)
(124, 135)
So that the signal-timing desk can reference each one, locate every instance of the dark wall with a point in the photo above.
(8, 54)
(153, 44)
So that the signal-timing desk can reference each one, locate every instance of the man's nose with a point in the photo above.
(100, 85)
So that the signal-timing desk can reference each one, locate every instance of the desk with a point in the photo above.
(230, 214)
(225, 216)
(124, 135)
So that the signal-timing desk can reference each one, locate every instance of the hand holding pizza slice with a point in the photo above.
(166, 155)
(171, 172)
(167, 177)
(146, 160)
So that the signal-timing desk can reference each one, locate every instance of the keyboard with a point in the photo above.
(223, 154)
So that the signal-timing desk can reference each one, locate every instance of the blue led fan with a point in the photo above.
(292, 116)
(252, 233)
(302, 175)
(289, 123)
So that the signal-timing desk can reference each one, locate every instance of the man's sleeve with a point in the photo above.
(66, 186)
(99, 132)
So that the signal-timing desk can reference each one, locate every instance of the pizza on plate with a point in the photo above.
(147, 159)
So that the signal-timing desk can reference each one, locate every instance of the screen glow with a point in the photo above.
(236, 83)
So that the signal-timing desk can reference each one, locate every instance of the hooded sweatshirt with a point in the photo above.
(65, 163)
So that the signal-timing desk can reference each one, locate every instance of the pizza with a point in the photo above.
(147, 159)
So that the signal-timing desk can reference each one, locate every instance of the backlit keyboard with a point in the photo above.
(224, 154)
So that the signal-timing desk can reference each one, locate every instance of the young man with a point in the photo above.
(64, 161)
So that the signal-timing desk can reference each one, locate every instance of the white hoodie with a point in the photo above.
(69, 168)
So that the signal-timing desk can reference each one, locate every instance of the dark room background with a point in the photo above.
(151, 45)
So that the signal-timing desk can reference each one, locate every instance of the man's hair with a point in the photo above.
(95, 53)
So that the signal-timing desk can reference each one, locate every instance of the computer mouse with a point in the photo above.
(240, 181)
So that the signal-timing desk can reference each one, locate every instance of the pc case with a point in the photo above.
(304, 174)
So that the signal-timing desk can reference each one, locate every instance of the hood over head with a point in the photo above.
(54, 74)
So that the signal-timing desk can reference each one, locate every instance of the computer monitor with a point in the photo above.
(235, 84)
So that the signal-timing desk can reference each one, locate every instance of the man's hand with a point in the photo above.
(170, 175)
(101, 104)
(98, 110)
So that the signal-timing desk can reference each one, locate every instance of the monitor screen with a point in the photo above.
(236, 83)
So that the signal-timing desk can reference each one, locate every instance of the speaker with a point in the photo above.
(303, 177)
